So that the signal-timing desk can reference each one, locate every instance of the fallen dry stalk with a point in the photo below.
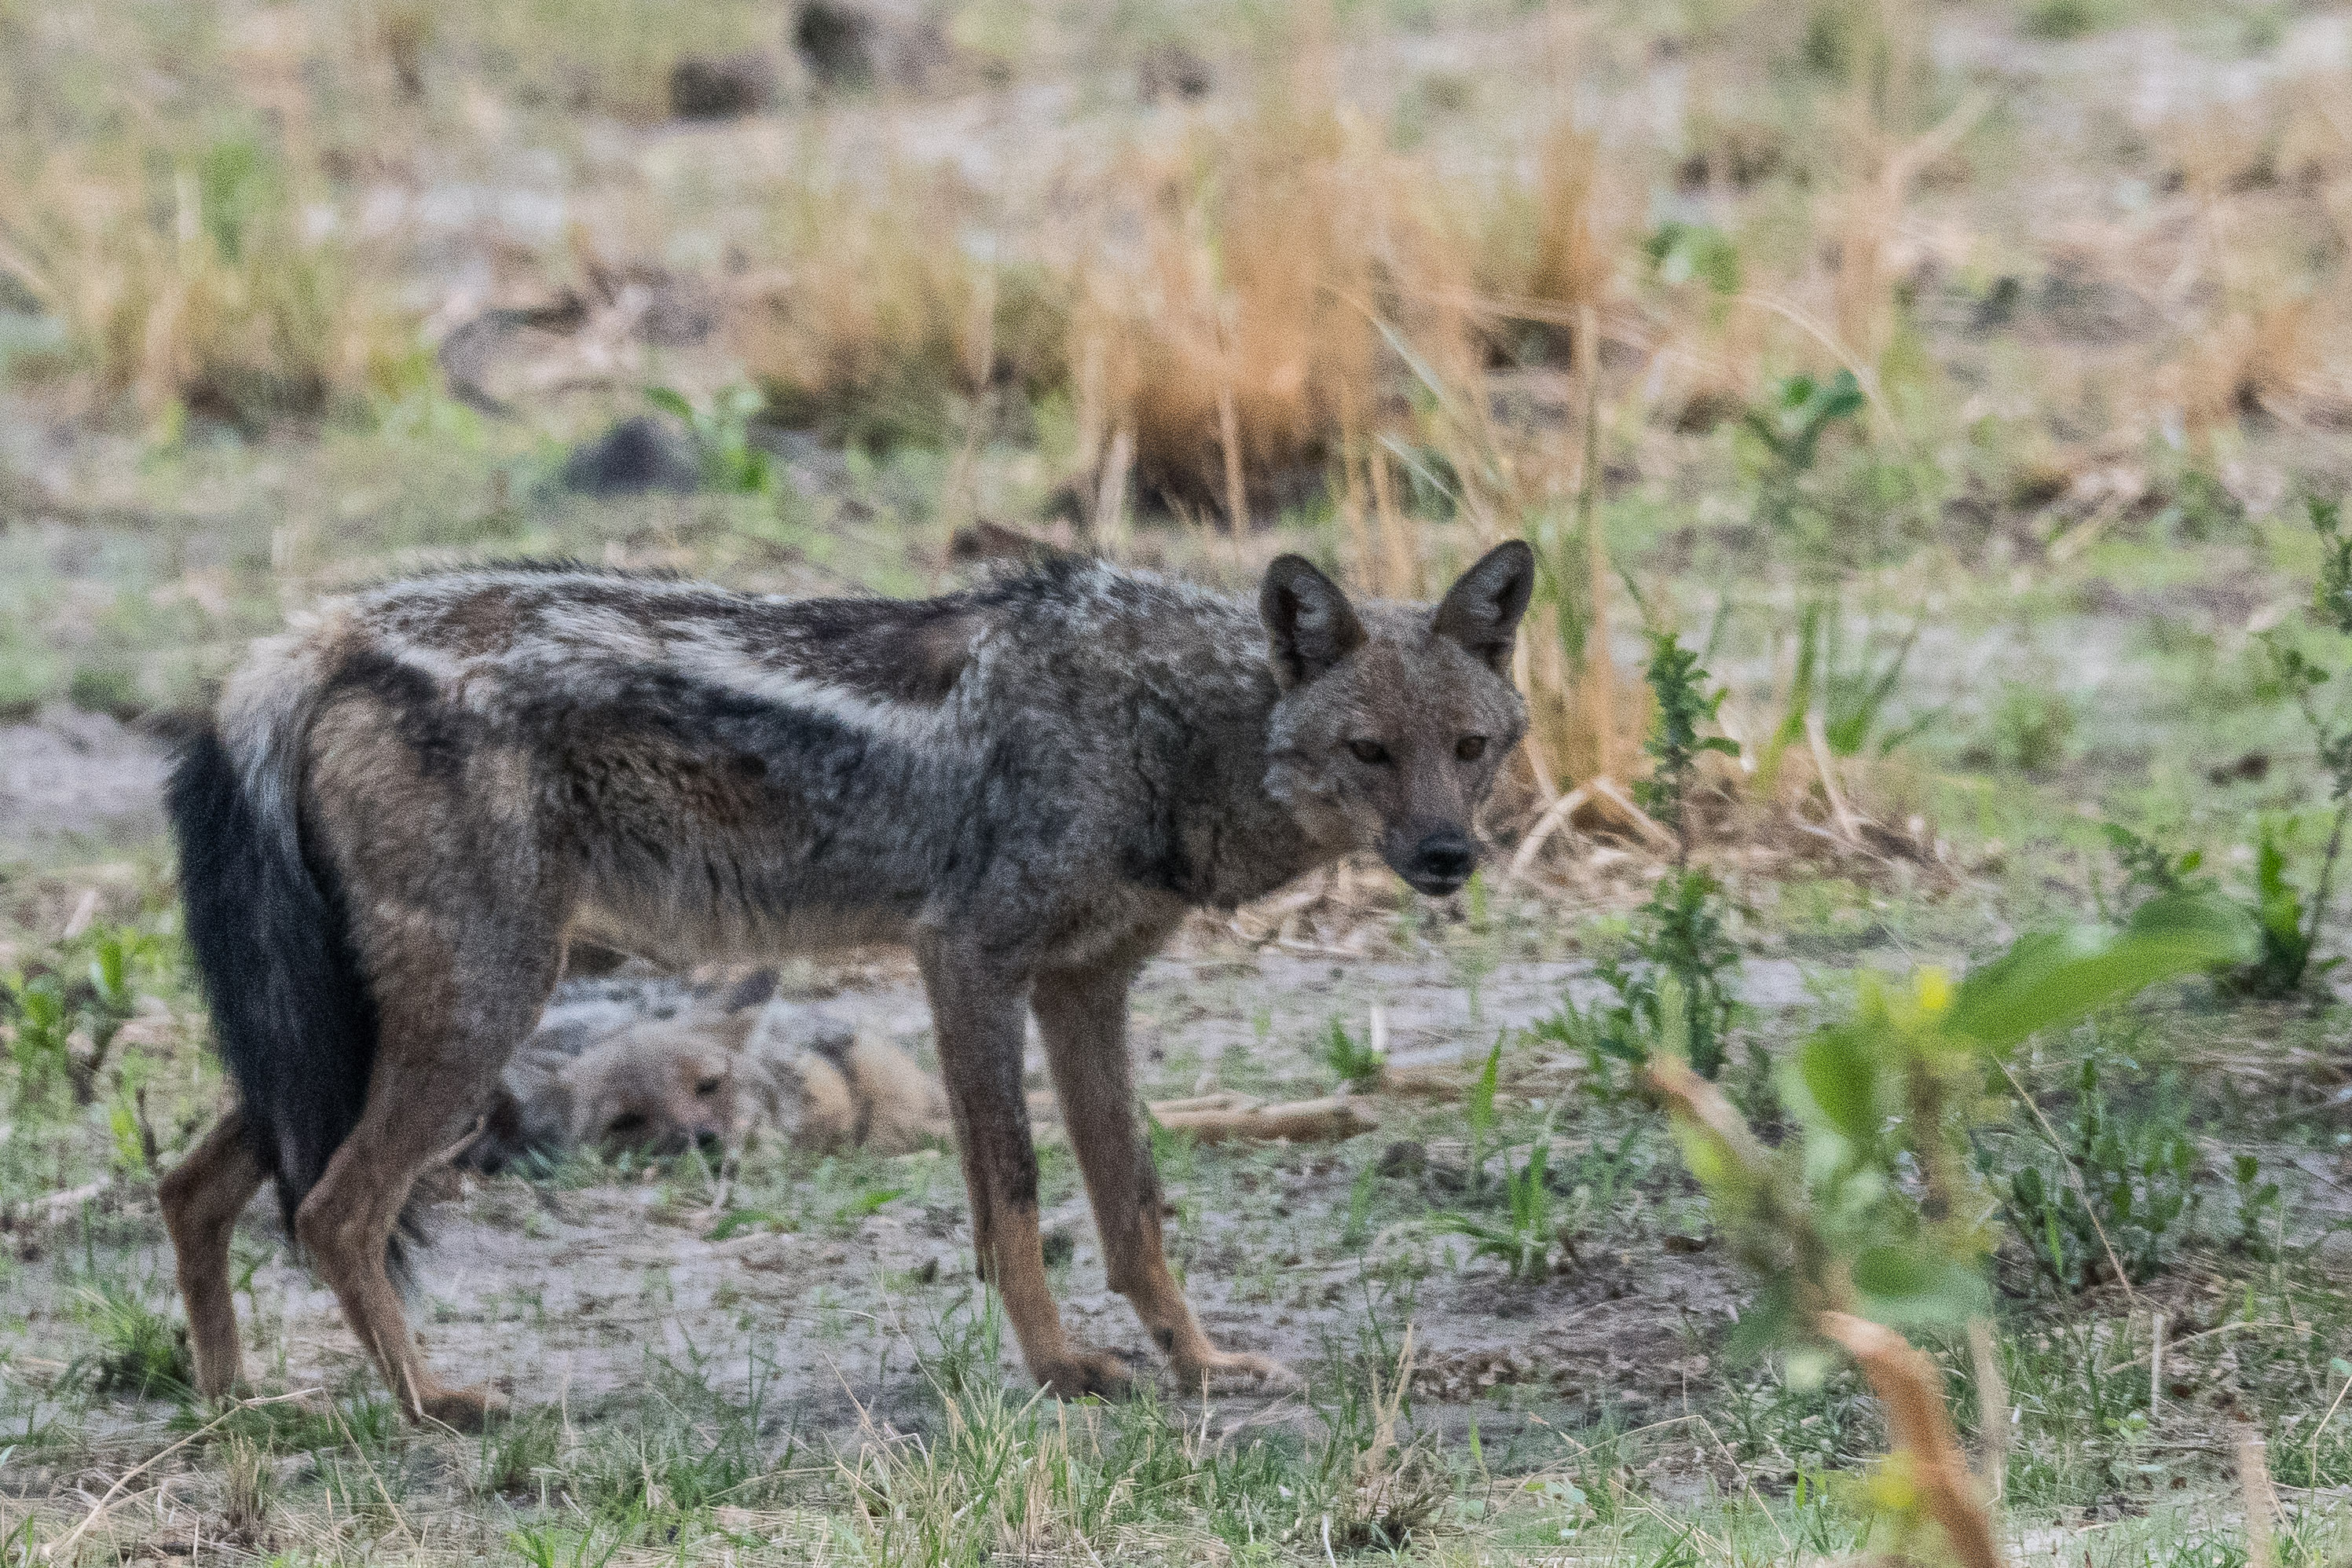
(1325, 1120)
(59, 1548)
(2261, 1502)
(1992, 1410)
(1558, 812)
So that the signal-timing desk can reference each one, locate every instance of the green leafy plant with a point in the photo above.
(2151, 868)
(1678, 939)
(1679, 931)
(2121, 1196)
(1359, 1063)
(2259, 1206)
(2033, 727)
(2291, 924)
(731, 464)
(1693, 253)
(137, 1349)
(1478, 1114)
(38, 1046)
(2288, 924)
(51, 1010)
(1678, 685)
(1863, 1224)
(106, 1003)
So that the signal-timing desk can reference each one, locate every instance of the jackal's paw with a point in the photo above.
(1233, 1371)
(1084, 1372)
(466, 1409)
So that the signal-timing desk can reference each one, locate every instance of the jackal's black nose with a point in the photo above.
(1441, 862)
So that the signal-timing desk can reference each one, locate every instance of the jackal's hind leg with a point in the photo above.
(442, 1041)
(978, 1022)
(1082, 1015)
(201, 1200)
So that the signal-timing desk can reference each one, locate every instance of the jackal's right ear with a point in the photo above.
(1308, 619)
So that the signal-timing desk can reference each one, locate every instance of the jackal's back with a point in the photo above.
(757, 771)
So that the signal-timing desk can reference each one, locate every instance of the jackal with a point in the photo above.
(401, 808)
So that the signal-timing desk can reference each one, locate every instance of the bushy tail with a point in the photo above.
(292, 1013)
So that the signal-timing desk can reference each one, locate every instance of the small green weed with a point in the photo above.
(137, 1349)
(1679, 931)
(1787, 429)
(1359, 1063)
(1693, 253)
(562, 1546)
(1849, 696)
(2060, 20)
(731, 464)
(1678, 688)
(2260, 1208)
(2290, 923)
(516, 1458)
(1525, 1239)
(2032, 728)
(1478, 1114)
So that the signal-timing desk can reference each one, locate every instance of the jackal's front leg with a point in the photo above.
(977, 1017)
(1082, 1014)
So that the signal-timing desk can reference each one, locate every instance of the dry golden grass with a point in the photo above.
(878, 314)
(203, 290)
(1229, 343)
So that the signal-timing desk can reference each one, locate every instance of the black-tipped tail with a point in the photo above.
(292, 1013)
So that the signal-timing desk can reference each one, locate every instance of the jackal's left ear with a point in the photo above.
(1482, 610)
(1308, 620)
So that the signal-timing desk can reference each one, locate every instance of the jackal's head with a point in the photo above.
(1394, 719)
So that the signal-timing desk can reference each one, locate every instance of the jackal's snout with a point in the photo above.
(1438, 862)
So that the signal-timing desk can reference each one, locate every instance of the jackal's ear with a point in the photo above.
(1308, 619)
(1482, 610)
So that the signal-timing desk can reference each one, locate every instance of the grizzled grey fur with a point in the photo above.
(409, 801)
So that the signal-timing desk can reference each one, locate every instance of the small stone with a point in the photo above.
(726, 88)
(2334, 1253)
(637, 455)
(1404, 1157)
(1172, 71)
(1060, 1246)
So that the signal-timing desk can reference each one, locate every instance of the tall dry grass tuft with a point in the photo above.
(2262, 323)
(884, 319)
(1541, 254)
(198, 282)
(1227, 342)
(189, 246)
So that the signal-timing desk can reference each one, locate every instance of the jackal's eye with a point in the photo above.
(1470, 748)
(1370, 753)
(710, 1086)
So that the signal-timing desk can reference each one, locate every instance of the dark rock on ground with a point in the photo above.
(637, 455)
(874, 43)
(1172, 71)
(726, 87)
